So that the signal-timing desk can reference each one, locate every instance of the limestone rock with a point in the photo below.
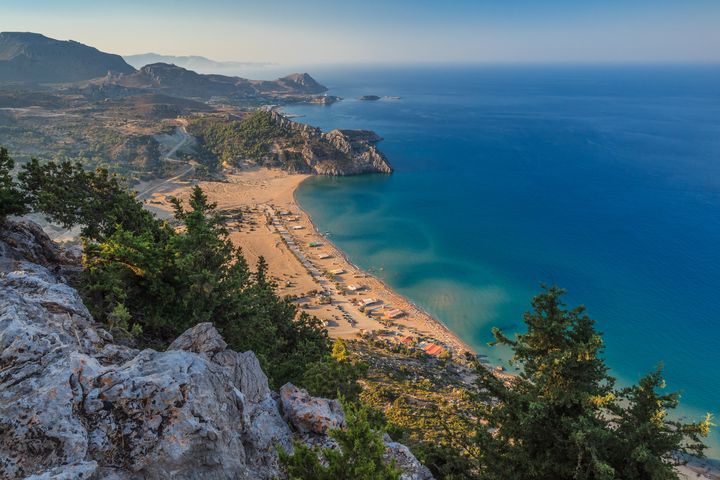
(411, 468)
(309, 414)
(26, 241)
(202, 338)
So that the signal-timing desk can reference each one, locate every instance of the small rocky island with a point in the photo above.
(369, 98)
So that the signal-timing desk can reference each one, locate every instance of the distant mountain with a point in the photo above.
(34, 58)
(191, 62)
(174, 80)
(293, 83)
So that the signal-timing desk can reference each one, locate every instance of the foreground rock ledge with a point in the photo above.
(76, 405)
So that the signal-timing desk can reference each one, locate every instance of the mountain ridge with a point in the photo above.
(192, 62)
(176, 80)
(27, 57)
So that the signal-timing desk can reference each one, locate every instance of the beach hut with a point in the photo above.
(297, 227)
(394, 313)
(370, 301)
(433, 349)
(314, 244)
(337, 271)
(324, 256)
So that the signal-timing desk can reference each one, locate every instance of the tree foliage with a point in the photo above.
(180, 277)
(149, 276)
(359, 456)
(335, 375)
(98, 200)
(13, 201)
(562, 417)
(233, 140)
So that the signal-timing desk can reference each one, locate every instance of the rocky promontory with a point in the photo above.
(77, 404)
(337, 152)
(268, 138)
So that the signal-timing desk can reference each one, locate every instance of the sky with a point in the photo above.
(384, 31)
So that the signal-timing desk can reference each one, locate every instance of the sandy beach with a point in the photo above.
(306, 265)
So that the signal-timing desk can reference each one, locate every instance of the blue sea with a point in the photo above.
(603, 180)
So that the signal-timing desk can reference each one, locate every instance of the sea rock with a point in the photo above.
(75, 404)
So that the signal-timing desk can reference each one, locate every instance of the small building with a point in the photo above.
(355, 288)
(369, 301)
(433, 349)
(337, 271)
(324, 256)
(394, 313)
(297, 227)
(315, 244)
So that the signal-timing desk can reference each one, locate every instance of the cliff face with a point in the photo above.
(338, 152)
(76, 404)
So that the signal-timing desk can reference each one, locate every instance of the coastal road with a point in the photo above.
(149, 189)
(186, 138)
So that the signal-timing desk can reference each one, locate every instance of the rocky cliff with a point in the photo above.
(338, 152)
(74, 403)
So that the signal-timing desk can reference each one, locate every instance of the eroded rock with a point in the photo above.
(310, 414)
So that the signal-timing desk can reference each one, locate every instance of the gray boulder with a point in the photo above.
(310, 415)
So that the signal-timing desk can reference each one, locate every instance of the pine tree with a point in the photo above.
(648, 443)
(12, 200)
(561, 417)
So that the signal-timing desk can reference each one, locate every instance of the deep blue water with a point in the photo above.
(603, 180)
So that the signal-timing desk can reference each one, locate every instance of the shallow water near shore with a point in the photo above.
(603, 180)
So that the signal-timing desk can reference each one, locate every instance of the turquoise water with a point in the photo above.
(603, 180)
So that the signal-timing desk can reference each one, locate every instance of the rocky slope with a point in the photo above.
(74, 403)
(338, 152)
(35, 58)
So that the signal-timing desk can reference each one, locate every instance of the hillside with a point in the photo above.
(35, 58)
(174, 80)
(269, 139)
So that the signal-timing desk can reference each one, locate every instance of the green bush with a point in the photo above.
(359, 456)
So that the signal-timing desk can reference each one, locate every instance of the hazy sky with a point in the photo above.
(347, 31)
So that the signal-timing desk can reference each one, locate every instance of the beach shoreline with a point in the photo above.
(301, 259)
(438, 323)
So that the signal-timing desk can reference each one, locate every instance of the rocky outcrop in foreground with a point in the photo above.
(74, 404)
